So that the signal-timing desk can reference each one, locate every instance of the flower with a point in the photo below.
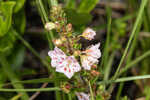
(87, 62)
(93, 51)
(83, 96)
(88, 34)
(92, 54)
(49, 26)
(64, 64)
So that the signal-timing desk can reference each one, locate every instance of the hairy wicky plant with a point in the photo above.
(79, 66)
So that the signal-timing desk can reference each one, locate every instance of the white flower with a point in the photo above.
(93, 51)
(92, 54)
(83, 96)
(88, 34)
(64, 64)
(87, 62)
(57, 56)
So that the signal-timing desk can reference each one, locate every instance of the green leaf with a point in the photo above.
(19, 5)
(77, 18)
(87, 5)
(7, 41)
(70, 3)
(6, 9)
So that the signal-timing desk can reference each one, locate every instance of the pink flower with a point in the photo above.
(88, 34)
(83, 96)
(64, 64)
(92, 54)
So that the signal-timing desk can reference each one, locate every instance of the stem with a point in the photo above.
(91, 92)
(144, 2)
(69, 96)
(31, 90)
(44, 16)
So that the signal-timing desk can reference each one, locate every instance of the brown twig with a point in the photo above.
(38, 92)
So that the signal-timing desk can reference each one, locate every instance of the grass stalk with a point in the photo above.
(125, 79)
(137, 60)
(141, 10)
(106, 48)
(31, 90)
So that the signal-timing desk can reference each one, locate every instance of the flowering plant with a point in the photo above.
(69, 58)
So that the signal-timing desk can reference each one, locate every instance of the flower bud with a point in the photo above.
(77, 53)
(88, 34)
(94, 73)
(58, 42)
(63, 39)
(69, 27)
(49, 26)
(94, 66)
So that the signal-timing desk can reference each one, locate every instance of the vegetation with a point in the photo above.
(31, 30)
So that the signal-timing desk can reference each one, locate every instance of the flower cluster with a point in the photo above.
(68, 57)
(69, 65)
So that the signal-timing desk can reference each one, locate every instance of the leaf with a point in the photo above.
(6, 9)
(87, 5)
(77, 18)
(19, 5)
(6, 42)
(70, 3)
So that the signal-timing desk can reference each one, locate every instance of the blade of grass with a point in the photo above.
(108, 67)
(137, 60)
(125, 79)
(129, 57)
(12, 77)
(106, 48)
(35, 81)
(31, 90)
(141, 10)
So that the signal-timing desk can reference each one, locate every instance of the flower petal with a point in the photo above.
(89, 34)
(69, 66)
(93, 51)
(83, 96)
(57, 56)
(87, 62)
